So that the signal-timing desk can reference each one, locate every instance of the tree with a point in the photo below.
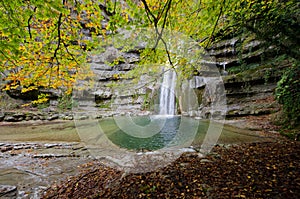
(44, 44)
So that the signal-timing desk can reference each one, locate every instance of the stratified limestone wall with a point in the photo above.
(250, 91)
(111, 94)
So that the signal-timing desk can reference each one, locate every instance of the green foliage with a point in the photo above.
(274, 21)
(291, 133)
(66, 102)
(42, 44)
(288, 94)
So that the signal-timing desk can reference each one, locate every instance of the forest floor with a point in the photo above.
(255, 170)
(250, 170)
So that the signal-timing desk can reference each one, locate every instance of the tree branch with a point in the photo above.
(66, 47)
(28, 23)
(148, 11)
(59, 39)
(220, 13)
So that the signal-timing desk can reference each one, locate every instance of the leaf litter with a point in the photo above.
(251, 170)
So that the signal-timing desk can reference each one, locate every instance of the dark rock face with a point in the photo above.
(17, 94)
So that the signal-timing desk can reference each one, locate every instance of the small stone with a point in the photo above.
(10, 119)
(6, 148)
(205, 160)
(83, 117)
(27, 118)
(53, 117)
(184, 164)
(35, 117)
(68, 117)
(50, 145)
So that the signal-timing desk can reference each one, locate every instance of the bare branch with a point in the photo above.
(66, 47)
(28, 23)
(148, 11)
(59, 38)
(220, 13)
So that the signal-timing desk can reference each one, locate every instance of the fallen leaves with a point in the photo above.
(255, 170)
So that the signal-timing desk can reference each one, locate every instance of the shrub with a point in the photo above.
(288, 94)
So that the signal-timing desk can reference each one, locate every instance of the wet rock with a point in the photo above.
(50, 145)
(68, 117)
(8, 191)
(205, 160)
(2, 116)
(125, 66)
(10, 119)
(6, 148)
(110, 55)
(53, 117)
(54, 155)
(197, 82)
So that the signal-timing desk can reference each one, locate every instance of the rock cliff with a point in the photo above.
(246, 71)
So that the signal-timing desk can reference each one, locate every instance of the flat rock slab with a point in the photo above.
(27, 169)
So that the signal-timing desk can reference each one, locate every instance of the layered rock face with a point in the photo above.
(109, 93)
(234, 82)
(249, 80)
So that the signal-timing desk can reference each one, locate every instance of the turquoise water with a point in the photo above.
(168, 132)
(149, 133)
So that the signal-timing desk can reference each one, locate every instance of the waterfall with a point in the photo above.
(167, 93)
(224, 72)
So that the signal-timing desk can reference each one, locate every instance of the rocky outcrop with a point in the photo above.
(13, 116)
(249, 80)
(27, 169)
(124, 97)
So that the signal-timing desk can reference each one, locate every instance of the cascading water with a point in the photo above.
(167, 105)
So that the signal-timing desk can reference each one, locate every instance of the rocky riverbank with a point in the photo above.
(27, 169)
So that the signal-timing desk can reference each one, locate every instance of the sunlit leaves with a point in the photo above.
(46, 43)
(42, 43)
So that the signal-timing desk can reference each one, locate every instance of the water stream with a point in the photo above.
(167, 105)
